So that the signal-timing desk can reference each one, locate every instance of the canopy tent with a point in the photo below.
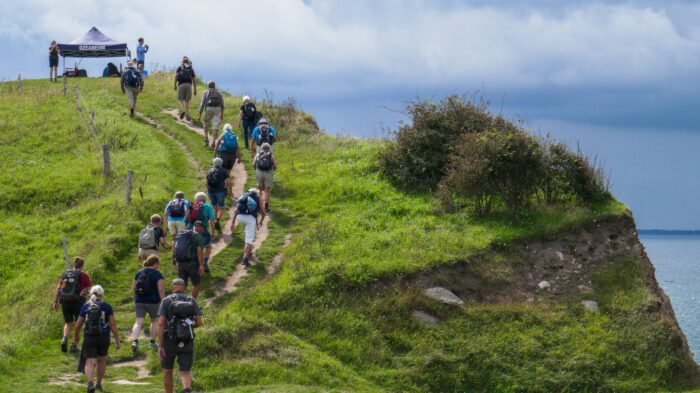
(93, 44)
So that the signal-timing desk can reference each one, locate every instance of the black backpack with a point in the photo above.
(264, 161)
(185, 74)
(247, 204)
(214, 98)
(143, 286)
(216, 176)
(249, 111)
(182, 252)
(264, 134)
(182, 309)
(93, 319)
(132, 77)
(69, 287)
(177, 207)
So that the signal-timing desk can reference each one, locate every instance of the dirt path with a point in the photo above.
(190, 157)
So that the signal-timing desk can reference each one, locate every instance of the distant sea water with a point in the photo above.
(676, 257)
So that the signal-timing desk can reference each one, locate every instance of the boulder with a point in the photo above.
(590, 305)
(443, 295)
(586, 290)
(424, 318)
(544, 285)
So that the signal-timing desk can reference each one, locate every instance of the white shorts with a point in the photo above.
(249, 223)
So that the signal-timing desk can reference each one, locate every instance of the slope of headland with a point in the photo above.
(348, 308)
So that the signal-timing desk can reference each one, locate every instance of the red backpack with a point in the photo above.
(196, 214)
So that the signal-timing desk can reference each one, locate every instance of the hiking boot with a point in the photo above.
(153, 344)
(98, 387)
(187, 391)
(267, 208)
(131, 114)
(245, 262)
(206, 268)
(73, 348)
(182, 114)
(206, 142)
(64, 345)
(217, 224)
(91, 387)
(135, 346)
(188, 117)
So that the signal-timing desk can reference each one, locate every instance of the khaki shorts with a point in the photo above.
(212, 118)
(144, 253)
(176, 227)
(264, 178)
(131, 95)
(184, 92)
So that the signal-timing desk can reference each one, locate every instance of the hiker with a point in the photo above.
(148, 289)
(176, 213)
(204, 212)
(213, 107)
(54, 51)
(185, 83)
(218, 183)
(110, 71)
(247, 211)
(189, 254)
(227, 149)
(98, 317)
(141, 51)
(261, 134)
(71, 294)
(248, 117)
(179, 316)
(150, 237)
(265, 164)
(132, 85)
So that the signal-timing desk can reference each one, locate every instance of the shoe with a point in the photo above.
(64, 345)
(131, 114)
(206, 142)
(73, 348)
(267, 208)
(245, 262)
(135, 346)
(98, 386)
(91, 387)
(182, 114)
(217, 224)
(187, 391)
(153, 344)
(188, 117)
(206, 268)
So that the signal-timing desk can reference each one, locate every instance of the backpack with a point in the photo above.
(265, 161)
(185, 74)
(182, 252)
(132, 77)
(229, 142)
(196, 213)
(213, 98)
(147, 238)
(249, 111)
(69, 287)
(247, 204)
(216, 176)
(258, 116)
(182, 314)
(143, 286)
(177, 208)
(264, 134)
(93, 319)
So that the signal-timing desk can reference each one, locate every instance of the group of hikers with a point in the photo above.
(193, 227)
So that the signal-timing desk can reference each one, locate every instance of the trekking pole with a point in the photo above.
(128, 186)
(19, 78)
(65, 252)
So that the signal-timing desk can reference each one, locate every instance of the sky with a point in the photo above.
(617, 78)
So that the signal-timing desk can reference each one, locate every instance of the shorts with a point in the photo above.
(176, 227)
(212, 117)
(218, 199)
(150, 308)
(131, 95)
(229, 159)
(187, 271)
(184, 92)
(249, 223)
(53, 61)
(264, 178)
(95, 346)
(140, 62)
(144, 253)
(207, 237)
(184, 355)
(71, 311)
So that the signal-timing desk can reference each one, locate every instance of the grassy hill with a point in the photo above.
(338, 315)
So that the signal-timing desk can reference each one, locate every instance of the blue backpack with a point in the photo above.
(132, 77)
(247, 204)
(229, 142)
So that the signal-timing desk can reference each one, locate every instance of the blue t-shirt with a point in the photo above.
(171, 218)
(141, 52)
(255, 134)
(154, 297)
(106, 312)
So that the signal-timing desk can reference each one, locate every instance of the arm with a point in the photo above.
(262, 218)
(55, 298)
(76, 333)
(198, 321)
(228, 186)
(218, 145)
(163, 242)
(240, 117)
(176, 81)
(222, 108)
(161, 289)
(238, 151)
(161, 334)
(165, 220)
(201, 105)
(274, 162)
(194, 84)
(122, 82)
(200, 258)
(113, 325)
(213, 231)
(133, 288)
(233, 222)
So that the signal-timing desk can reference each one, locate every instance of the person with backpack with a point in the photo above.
(148, 289)
(247, 209)
(176, 214)
(70, 293)
(188, 252)
(263, 133)
(218, 184)
(185, 83)
(204, 212)
(179, 315)
(54, 51)
(132, 85)
(248, 117)
(227, 149)
(265, 164)
(98, 317)
(213, 107)
(150, 237)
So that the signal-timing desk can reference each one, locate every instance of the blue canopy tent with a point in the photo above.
(93, 44)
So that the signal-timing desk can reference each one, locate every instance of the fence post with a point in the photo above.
(77, 97)
(128, 186)
(19, 78)
(92, 121)
(105, 154)
(64, 84)
(65, 252)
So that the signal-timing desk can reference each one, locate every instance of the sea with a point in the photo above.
(676, 257)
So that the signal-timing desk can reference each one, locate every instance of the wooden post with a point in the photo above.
(19, 78)
(105, 154)
(92, 121)
(64, 82)
(128, 186)
(65, 252)
(77, 97)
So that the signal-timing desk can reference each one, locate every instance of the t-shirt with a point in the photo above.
(141, 52)
(158, 232)
(82, 285)
(53, 51)
(246, 115)
(221, 185)
(208, 215)
(154, 297)
(256, 133)
(106, 312)
(171, 218)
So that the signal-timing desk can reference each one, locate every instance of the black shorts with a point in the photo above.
(139, 62)
(95, 346)
(71, 311)
(53, 61)
(186, 271)
(184, 355)
(228, 158)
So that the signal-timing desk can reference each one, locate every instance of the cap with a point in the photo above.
(178, 281)
(130, 64)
